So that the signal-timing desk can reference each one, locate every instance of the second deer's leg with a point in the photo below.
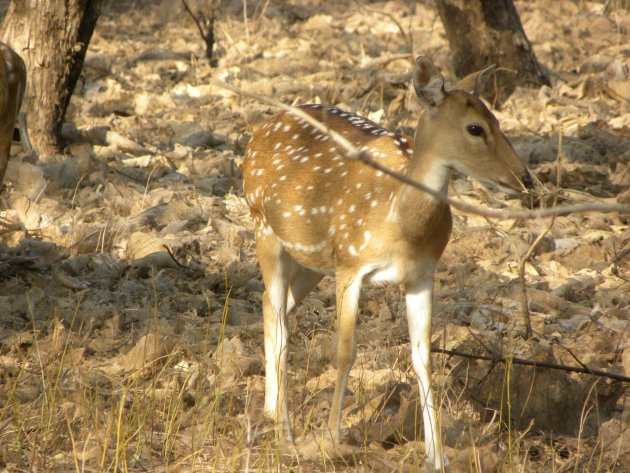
(348, 290)
(419, 310)
(24, 138)
(275, 264)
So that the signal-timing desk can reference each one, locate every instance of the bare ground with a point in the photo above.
(116, 355)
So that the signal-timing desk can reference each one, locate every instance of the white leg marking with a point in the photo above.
(419, 309)
(276, 351)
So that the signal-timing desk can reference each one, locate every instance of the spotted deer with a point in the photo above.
(318, 213)
(12, 84)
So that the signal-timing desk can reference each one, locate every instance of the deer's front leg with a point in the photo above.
(419, 301)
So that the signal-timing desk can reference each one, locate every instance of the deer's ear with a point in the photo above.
(428, 82)
(474, 83)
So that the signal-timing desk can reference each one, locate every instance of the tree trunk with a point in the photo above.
(52, 36)
(484, 32)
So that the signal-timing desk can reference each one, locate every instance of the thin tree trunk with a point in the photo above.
(484, 32)
(52, 36)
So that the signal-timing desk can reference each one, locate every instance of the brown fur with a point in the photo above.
(12, 85)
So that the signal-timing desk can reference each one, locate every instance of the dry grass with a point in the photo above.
(175, 409)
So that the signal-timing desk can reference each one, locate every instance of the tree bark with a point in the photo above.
(52, 36)
(484, 32)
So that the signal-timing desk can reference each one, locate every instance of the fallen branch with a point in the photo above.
(103, 136)
(349, 151)
(536, 364)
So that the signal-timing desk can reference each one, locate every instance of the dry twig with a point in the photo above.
(205, 25)
(349, 151)
(406, 35)
(536, 364)
(530, 251)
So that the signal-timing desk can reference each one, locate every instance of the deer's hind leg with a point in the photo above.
(275, 266)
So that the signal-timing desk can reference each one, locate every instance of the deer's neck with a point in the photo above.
(418, 211)
(427, 166)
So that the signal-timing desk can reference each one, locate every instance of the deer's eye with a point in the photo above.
(475, 130)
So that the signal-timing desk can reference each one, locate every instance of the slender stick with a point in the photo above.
(536, 364)
(349, 151)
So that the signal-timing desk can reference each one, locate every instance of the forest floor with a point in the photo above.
(115, 355)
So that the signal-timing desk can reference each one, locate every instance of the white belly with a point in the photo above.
(388, 272)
